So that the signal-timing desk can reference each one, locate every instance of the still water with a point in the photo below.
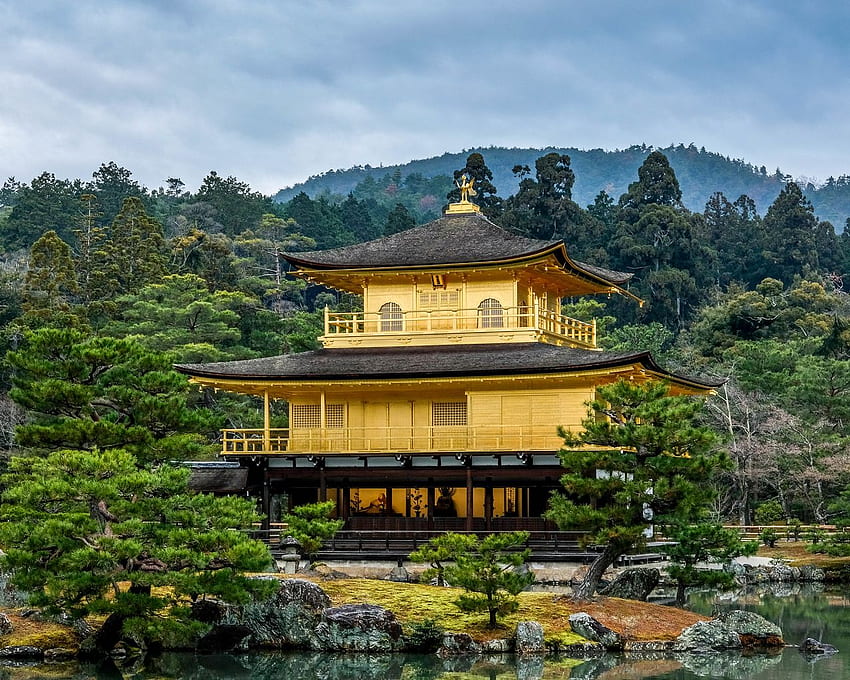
(800, 612)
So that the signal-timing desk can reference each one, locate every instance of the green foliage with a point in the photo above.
(398, 220)
(128, 256)
(488, 569)
(88, 392)
(235, 206)
(179, 314)
(50, 282)
(703, 543)
(92, 532)
(311, 525)
(769, 512)
(642, 456)
(47, 203)
(424, 636)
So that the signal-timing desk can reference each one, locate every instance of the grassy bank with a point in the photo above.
(416, 602)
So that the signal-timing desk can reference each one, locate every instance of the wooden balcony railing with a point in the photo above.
(473, 320)
(407, 439)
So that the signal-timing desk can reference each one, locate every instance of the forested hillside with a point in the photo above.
(700, 174)
(105, 281)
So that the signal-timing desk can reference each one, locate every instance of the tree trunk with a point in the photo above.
(680, 594)
(588, 586)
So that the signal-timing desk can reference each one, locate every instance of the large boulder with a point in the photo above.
(286, 619)
(22, 652)
(809, 572)
(582, 623)
(633, 584)
(753, 629)
(5, 624)
(708, 636)
(358, 628)
(529, 638)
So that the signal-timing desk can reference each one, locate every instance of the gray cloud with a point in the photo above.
(275, 91)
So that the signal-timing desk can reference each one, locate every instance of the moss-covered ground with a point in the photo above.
(797, 555)
(43, 634)
(416, 602)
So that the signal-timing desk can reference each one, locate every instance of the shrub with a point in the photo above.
(769, 511)
(769, 537)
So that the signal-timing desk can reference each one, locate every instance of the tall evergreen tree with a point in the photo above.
(656, 184)
(791, 229)
(132, 255)
(50, 282)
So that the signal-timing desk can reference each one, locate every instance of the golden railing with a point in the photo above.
(402, 439)
(483, 320)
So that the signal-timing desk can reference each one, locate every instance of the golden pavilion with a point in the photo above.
(438, 406)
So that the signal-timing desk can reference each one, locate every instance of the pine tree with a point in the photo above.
(641, 458)
(78, 526)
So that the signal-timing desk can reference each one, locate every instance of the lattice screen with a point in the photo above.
(309, 416)
(448, 413)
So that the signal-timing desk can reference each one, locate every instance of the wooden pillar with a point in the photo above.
(323, 485)
(488, 506)
(267, 422)
(430, 504)
(345, 510)
(469, 506)
(388, 492)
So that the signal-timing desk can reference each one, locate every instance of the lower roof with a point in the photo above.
(431, 362)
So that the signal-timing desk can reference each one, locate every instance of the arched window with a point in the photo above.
(391, 318)
(490, 314)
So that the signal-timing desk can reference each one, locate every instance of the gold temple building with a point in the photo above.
(438, 406)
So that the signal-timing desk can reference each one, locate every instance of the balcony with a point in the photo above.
(424, 327)
(390, 440)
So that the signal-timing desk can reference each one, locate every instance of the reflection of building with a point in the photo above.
(438, 405)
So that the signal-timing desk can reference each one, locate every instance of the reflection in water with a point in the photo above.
(800, 612)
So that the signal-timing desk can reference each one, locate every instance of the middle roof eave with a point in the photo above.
(426, 362)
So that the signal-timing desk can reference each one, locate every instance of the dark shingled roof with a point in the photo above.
(426, 362)
(452, 239)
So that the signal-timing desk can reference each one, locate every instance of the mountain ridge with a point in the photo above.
(700, 173)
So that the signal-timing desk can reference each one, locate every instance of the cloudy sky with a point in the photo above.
(274, 91)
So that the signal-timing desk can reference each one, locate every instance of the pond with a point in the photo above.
(800, 611)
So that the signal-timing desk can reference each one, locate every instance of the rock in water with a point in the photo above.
(708, 636)
(754, 630)
(358, 628)
(286, 619)
(633, 584)
(529, 638)
(458, 644)
(811, 648)
(585, 625)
